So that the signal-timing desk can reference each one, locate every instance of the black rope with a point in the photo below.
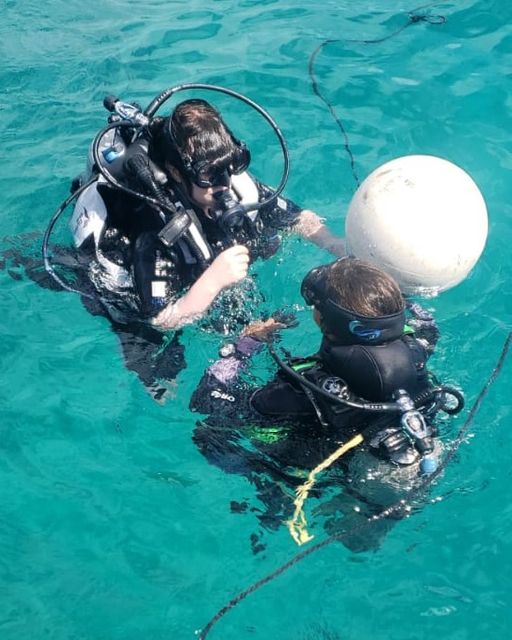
(397, 507)
(413, 18)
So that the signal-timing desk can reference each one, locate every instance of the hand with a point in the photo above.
(229, 267)
(312, 227)
(263, 330)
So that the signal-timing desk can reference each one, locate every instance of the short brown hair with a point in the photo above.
(197, 132)
(200, 133)
(363, 288)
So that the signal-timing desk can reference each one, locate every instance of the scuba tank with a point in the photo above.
(109, 150)
(112, 149)
(406, 442)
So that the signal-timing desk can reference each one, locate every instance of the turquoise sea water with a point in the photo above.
(113, 526)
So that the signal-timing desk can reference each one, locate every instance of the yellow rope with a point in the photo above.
(297, 525)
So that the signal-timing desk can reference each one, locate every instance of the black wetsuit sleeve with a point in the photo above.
(222, 393)
(281, 214)
(224, 403)
(235, 402)
(221, 388)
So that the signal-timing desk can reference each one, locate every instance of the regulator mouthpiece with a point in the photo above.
(229, 212)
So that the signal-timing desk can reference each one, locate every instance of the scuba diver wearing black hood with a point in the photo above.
(367, 388)
(168, 255)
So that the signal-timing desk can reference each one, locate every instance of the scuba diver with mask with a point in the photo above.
(166, 218)
(367, 393)
(200, 168)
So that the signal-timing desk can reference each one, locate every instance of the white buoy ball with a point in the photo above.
(421, 219)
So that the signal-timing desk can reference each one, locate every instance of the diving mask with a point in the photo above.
(205, 174)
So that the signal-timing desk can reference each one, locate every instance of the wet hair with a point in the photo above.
(364, 289)
(194, 132)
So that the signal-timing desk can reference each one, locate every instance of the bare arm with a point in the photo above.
(228, 267)
(311, 227)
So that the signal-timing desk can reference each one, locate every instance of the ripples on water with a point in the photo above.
(113, 526)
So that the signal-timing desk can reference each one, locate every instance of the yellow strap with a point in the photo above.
(297, 525)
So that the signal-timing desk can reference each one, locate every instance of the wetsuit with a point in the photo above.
(147, 351)
(275, 434)
(162, 273)
(136, 275)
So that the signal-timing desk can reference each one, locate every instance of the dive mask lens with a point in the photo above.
(200, 173)
(205, 175)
